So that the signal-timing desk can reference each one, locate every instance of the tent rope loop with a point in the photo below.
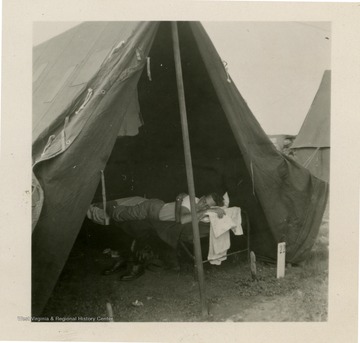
(138, 54)
(63, 138)
(63, 144)
(50, 140)
(117, 47)
(148, 68)
(88, 97)
(227, 71)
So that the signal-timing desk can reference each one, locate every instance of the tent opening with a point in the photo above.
(151, 163)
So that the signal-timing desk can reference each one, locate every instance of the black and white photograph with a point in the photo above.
(156, 187)
(182, 171)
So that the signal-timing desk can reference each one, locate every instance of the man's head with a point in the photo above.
(209, 200)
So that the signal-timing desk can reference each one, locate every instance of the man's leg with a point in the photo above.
(122, 213)
(125, 209)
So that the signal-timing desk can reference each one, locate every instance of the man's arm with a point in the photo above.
(183, 214)
(186, 215)
(187, 218)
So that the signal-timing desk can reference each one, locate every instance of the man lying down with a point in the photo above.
(139, 208)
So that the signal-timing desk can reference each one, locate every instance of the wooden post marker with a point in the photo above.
(281, 253)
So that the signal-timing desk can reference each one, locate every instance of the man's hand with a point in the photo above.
(218, 210)
(98, 215)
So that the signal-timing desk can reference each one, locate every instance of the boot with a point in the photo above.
(135, 270)
(117, 267)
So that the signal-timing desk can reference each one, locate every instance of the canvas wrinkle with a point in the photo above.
(54, 151)
(305, 247)
(108, 74)
(139, 64)
(74, 73)
(148, 68)
(127, 73)
(310, 158)
(296, 227)
(252, 177)
(52, 66)
(84, 27)
(99, 73)
(262, 173)
(114, 60)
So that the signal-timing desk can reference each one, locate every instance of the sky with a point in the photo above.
(276, 66)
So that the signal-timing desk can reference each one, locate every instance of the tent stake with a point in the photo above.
(189, 170)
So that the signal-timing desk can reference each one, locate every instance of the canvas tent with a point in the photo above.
(282, 142)
(101, 80)
(311, 147)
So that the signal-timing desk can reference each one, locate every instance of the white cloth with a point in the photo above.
(186, 202)
(219, 240)
(226, 200)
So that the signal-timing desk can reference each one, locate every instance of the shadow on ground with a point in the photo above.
(164, 295)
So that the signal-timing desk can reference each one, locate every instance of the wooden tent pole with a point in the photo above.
(189, 169)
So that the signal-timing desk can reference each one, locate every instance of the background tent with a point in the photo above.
(311, 147)
(99, 80)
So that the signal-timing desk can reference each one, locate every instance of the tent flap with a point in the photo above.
(69, 174)
(286, 205)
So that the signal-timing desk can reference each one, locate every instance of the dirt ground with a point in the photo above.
(163, 295)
